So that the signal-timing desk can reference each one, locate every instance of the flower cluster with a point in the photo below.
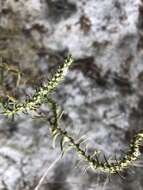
(42, 95)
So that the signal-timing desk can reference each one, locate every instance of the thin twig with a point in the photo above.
(46, 172)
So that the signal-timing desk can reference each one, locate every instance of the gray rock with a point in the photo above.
(101, 95)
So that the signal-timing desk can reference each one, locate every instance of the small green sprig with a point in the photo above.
(40, 96)
(93, 160)
(9, 69)
(11, 107)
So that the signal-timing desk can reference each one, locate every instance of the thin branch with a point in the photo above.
(46, 173)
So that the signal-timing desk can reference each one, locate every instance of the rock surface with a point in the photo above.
(101, 95)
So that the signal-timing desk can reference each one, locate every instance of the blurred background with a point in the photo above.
(101, 95)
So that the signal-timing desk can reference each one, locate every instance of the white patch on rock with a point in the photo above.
(12, 177)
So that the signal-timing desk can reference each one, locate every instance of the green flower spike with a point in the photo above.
(92, 160)
(41, 94)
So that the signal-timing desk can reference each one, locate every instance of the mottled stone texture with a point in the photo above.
(102, 94)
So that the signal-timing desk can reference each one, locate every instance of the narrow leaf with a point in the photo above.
(54, 139)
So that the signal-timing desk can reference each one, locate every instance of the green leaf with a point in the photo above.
(54, 139)
(63, 141)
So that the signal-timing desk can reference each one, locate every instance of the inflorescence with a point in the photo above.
(93, 160)
(42, 95)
